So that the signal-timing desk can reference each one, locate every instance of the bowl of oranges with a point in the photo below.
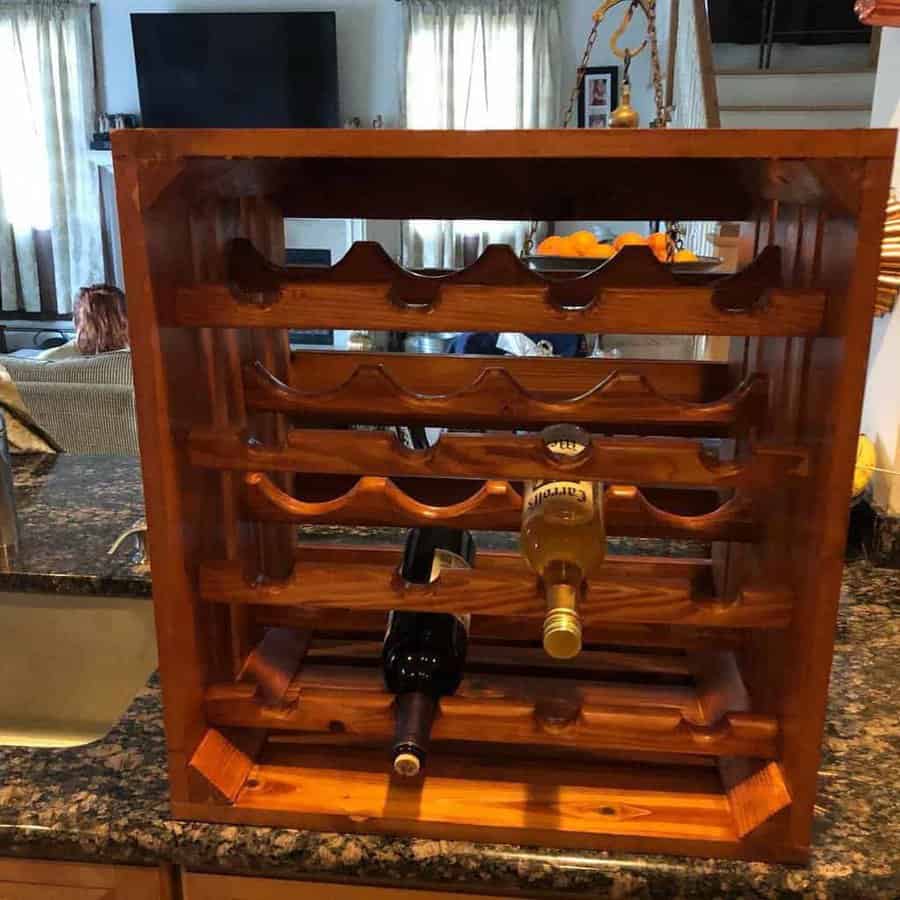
(581, 251)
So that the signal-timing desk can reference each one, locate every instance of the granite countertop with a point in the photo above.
(71, 509)
(108, 801)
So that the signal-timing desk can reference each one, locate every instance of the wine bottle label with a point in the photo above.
(578, 494)
(565, 448)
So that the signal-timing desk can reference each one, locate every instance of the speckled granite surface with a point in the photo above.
(108, 801)
(71, 509)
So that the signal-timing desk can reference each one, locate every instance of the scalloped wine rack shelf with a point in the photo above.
(494, 506)
(632, 292)
(691, 722)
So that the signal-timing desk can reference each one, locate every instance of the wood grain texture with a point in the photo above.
(625, 310)
(574, 803)
(222, 763)
(494, 506)
(273, 663)
(643, 461)
(512, 592)
(691, 381)
(179, 512)
(233, 887)
(160, 144)
(756, 791)
(26, 879)
(495, 398)
(805, 318)
(351, 704)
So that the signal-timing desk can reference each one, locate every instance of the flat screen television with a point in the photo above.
(236, 70)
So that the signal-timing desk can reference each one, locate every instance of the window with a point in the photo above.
(477, 65)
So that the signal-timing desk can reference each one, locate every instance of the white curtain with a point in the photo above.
(47, 182)
(689, 97)
(477, 64)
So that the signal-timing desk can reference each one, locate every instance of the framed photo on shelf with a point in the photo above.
(599, 96)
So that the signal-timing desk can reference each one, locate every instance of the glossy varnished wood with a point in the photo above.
(492, 506)
(234, 887)
(631, 293)
(351, 704)
(371, 395)
(231, 467)
(30, 879)
(347, 580)
(690, 381)
(645, 461)
(585, 800)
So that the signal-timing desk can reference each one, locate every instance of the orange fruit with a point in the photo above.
(629, 238)
(567, 248)
(583, 241)
(555, 245)
(600, 251)
(685, 256)
(659, 244)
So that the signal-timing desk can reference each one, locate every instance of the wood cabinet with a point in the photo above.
(38, 880)
(232, 887)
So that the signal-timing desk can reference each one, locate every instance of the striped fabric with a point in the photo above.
(85, 404)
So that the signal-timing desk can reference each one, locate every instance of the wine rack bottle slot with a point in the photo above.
(424, 652)
(563, 538)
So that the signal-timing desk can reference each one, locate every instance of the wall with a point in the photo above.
(881, 409)
(369, 36)
(576, 24)
(369, 49)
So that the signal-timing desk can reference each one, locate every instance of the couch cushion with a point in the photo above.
(104, 368)
(95, 419)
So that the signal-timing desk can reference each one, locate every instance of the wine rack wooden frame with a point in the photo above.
(691, 722)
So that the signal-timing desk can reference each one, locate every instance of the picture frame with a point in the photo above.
(598, 97)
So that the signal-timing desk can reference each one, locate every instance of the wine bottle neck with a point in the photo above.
(562, 624)
(414, 716)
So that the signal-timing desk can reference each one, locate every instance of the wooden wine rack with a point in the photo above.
(691, 722)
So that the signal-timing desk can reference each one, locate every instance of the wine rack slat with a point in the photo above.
(496, 592)
(644, 461)
(503, 633)
(690, 381)
(688, 311)
(353, 703)
(484, 658)
(697, 572)
(631, 293)
(371, 395)
(494, 506)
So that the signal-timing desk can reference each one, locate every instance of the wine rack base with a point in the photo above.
(692, 721)
(668, 809)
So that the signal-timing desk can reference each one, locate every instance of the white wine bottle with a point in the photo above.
(563, 538)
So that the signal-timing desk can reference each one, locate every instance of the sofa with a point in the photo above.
(85, 403)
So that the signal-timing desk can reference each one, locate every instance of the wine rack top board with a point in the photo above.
(693, 720)
(548, 174)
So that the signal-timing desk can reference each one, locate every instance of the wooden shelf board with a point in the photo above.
(650, 461)
(590, 806)
(349, 704)
(673, 310)
(693, 381)
(495, 593)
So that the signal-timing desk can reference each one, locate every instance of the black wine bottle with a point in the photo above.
(424, 652)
